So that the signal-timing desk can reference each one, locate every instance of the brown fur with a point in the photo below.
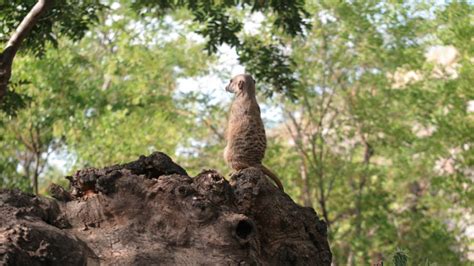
(246, 140)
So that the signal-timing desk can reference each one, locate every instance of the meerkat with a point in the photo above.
(245, 135)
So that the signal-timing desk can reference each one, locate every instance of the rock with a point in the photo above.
(150, 212)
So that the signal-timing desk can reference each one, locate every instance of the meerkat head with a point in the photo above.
(241, 84)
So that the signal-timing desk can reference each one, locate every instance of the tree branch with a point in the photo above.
(219, 135)
(298, 136)
(8, 54)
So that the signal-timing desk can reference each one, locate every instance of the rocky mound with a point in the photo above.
(150, 212)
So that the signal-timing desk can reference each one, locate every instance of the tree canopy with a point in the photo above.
(368, 106)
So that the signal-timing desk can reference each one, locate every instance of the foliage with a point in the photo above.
(99, 102)
(374, 124)
(266, 60)
(369, 145)
(400, 258)
(65, 18)
(72, 19)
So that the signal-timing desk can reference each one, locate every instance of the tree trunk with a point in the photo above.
(150, 212)
(8, 54)
(306, 194)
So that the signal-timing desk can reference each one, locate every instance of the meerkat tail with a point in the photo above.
(273, 177)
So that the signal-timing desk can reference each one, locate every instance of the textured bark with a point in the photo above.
(150, 212)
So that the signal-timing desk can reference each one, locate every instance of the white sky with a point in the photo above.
(213, 84)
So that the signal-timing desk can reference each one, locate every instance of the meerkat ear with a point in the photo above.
(241, 84)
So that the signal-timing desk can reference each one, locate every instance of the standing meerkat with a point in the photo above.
(245, 135)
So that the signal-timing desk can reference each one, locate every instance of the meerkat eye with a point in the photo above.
(230, 80)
